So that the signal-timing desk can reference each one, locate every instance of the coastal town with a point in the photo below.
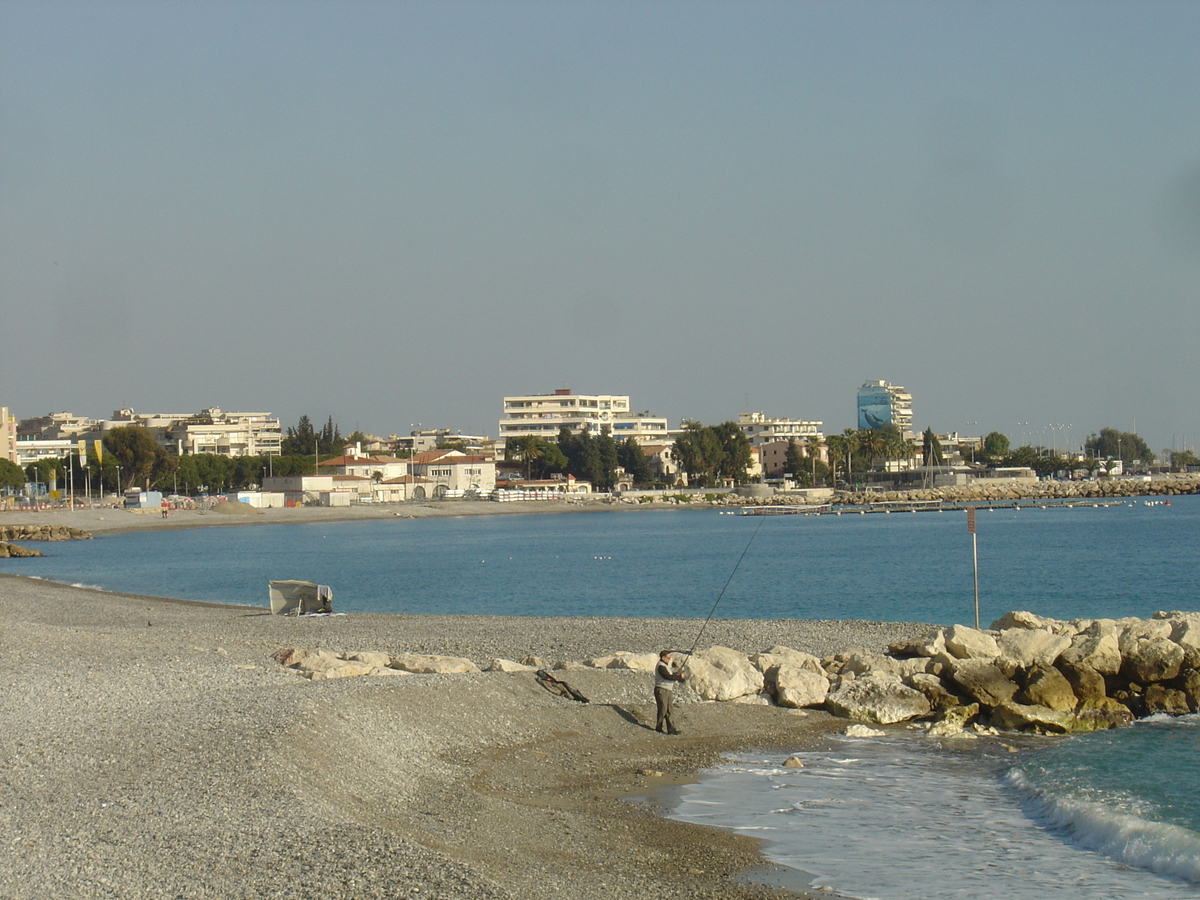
(554, 446)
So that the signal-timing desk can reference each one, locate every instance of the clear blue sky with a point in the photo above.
(400, 212)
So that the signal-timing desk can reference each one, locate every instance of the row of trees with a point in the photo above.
(587, 456)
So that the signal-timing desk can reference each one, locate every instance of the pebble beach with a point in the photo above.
(154, 748)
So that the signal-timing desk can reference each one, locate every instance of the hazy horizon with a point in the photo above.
(399, 213)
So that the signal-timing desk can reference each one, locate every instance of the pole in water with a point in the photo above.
(696, 643)
(974, 559)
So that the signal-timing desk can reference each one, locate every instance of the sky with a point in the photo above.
(398, 213)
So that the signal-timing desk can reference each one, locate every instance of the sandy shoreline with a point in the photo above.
(154, 749)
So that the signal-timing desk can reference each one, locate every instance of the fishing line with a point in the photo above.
(722, 594)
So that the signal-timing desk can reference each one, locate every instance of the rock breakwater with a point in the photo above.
(1024, 673)
(981, 491)
(42, 533)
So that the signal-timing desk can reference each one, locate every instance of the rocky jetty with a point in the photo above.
(980, 491)
(14, 551)
(1024, 673)
(42, 533)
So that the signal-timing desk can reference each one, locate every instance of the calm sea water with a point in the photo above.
(1124, 560)
(1112, 815)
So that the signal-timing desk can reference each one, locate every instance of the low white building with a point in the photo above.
(542, 415)
(454, 472)
(759, 429)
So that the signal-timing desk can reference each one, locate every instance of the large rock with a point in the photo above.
(881, 699)
(935, 692)
(1096, 647)
(928, 645)
(1012, 716)
(1046, 686)
(1021, 619)
(719, 673)
(1150, 659)
(1162, 699)
(371, 658)
(981, 681)
(1097, 715)
(863, 662)
(779, 656)
(433, 665)
(507, 665)
(15, 551)
(797, 688)
(1185, 631)
(1140, 630)
(1086, 683)
(970, 643)
(1026, 647)
(623, 659)
(1189, 683)
(348, 669)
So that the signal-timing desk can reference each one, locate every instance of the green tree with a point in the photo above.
(634, 461)
(1181, 459)
(1123, 445)
(698, 450)
(793, 462)
(995, 445)
(931, 449)
(735, 452)
(11, 475)
(606, 452)
(140, 457)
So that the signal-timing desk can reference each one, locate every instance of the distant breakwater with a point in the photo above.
(981, 492)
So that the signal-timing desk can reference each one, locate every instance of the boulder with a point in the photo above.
(1086, 683)
(1097, 715)
(881, 699)
(935, 692)
(797, 688)
(863, 731)
(1096, 647)
(719, 673)
(778, 656)
(1189, 683)
(1140, 630)
(930, 644)
(1026, 647)
(15, 551)
(1021, 619)
(1150, 659)
(863, 662)
(289, 657)
(1012, 716)
(623, 659)
(953, 720)
(505, 665)
(981, 681)
(1185, 632)
(970, 643)
(1162, 699)
(794, 762)
(433, 665)
(1047, 686)
(347, 669)
(370, 658)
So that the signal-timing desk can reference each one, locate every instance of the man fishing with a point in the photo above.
(665, 676)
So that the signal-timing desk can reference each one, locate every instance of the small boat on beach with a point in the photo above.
(808, 509)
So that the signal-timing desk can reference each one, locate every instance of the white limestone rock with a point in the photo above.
(720, 673)
(963, 642)
(1096, 647)
(797, 688)
(507, 665)
(881, 699)
(1026, 647)
(433, 665)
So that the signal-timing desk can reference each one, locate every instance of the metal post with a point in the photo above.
(975, 569)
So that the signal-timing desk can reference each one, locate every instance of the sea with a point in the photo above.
(1108, 815)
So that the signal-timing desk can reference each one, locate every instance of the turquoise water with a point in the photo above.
(1111, 815)
(1124, 560)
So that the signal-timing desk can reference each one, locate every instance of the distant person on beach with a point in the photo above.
(665, 676)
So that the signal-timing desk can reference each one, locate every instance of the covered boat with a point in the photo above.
(299, 598)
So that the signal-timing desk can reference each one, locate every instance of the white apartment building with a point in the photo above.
(761, 430)
(542, 415)
(209, 431)
(880, 404)
(8, 435)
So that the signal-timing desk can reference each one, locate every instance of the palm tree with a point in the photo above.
(812, 444)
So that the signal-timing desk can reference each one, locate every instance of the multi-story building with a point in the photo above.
(8, 436)
(760, 430)
(209, 431)
(881, 404)
(542, 415)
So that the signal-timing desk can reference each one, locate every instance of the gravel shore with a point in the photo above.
(153, 749)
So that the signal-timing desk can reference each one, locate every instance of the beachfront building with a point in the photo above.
(761, 430)
(452, 473)
(542, 415)
(8, 435)
(881, 404)
(209, 431)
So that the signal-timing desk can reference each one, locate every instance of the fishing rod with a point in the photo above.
(722, 594)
